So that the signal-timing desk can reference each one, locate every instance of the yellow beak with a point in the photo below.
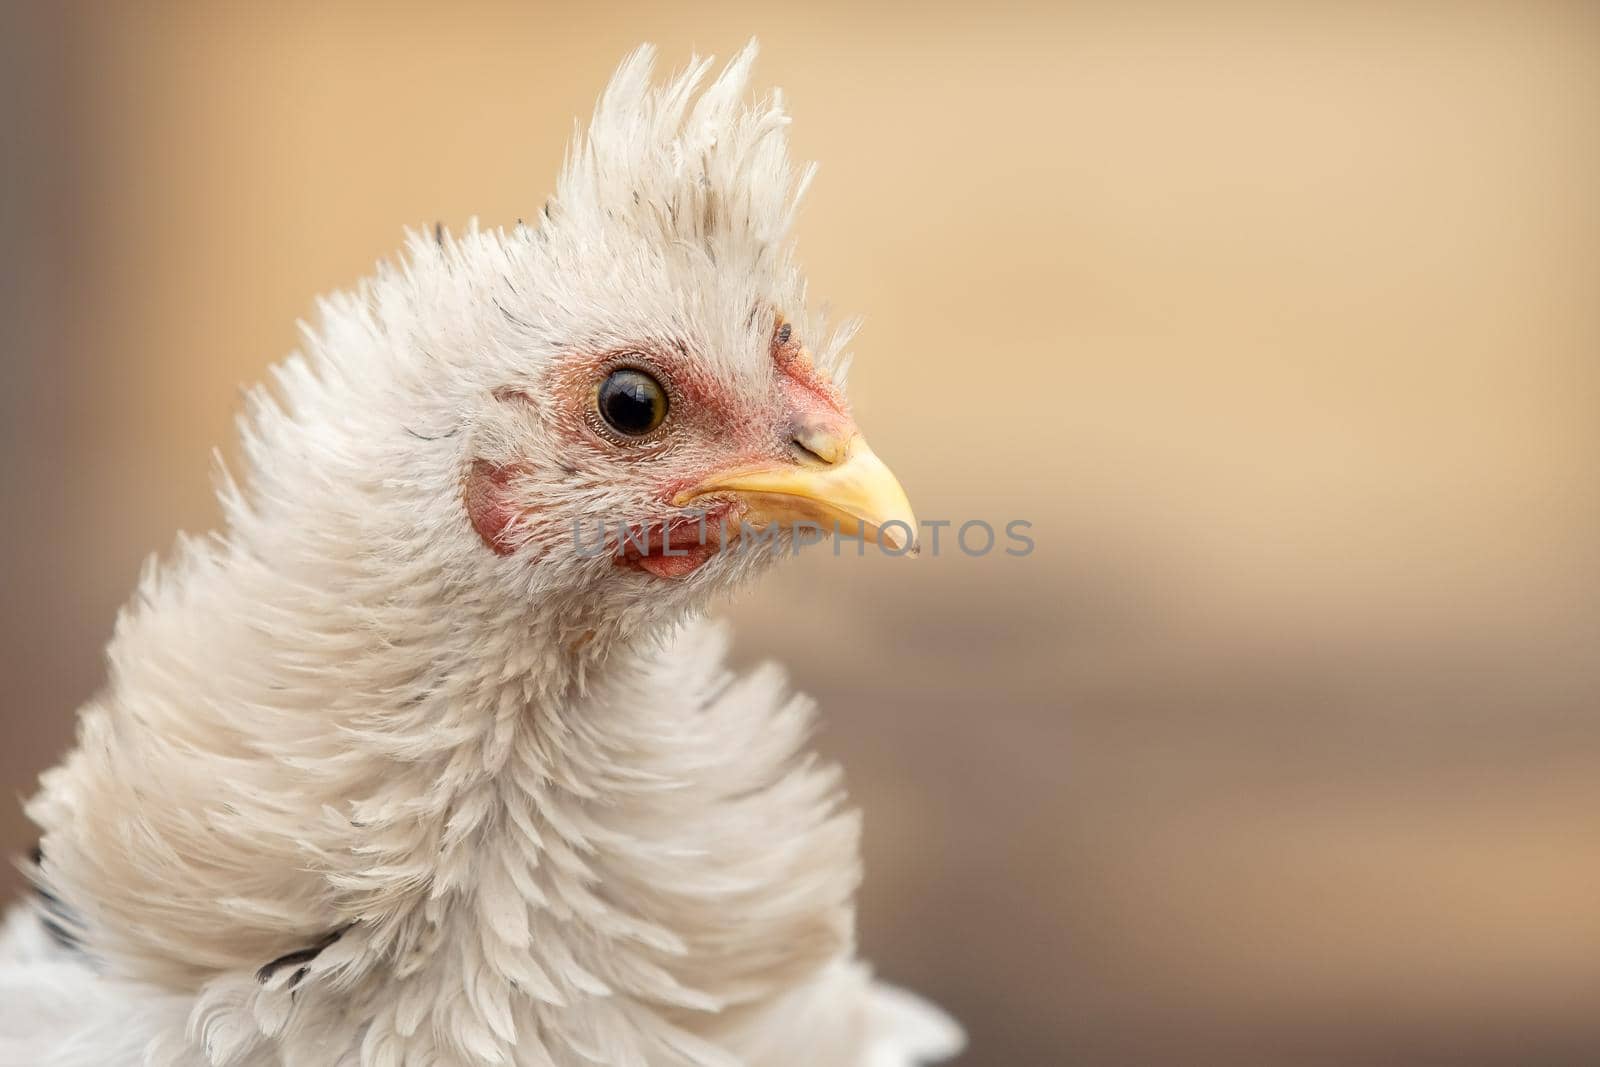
(846, 490)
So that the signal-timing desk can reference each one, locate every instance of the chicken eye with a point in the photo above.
(632, 402)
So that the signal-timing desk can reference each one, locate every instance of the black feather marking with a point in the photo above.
(512, 318)
(54, 915)
(60, 934)
(300, 958)
(425, 437)
(438, 234)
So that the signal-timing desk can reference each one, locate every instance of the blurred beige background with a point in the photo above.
(1281, 322)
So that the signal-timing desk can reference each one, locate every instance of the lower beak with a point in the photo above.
(856, 496)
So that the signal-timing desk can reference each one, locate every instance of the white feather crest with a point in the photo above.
(701, 168)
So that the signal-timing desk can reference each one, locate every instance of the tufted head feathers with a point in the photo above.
(587, 412)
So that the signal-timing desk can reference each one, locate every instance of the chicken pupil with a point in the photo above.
(632, 401)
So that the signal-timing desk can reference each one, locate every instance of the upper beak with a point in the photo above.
(839, 484)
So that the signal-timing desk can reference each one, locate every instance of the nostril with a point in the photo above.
(807, 452)
(816, 441)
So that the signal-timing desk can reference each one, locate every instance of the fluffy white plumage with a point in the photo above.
(362, 791)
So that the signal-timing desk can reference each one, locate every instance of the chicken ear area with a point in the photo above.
(488, 509)
(674, 550)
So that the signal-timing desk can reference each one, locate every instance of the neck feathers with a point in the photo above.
(577, 835)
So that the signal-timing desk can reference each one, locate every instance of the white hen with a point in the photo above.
(400, 769)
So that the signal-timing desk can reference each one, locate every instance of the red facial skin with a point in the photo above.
(807, 396)
(678, 548)
(488, 507)
(794, 362)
